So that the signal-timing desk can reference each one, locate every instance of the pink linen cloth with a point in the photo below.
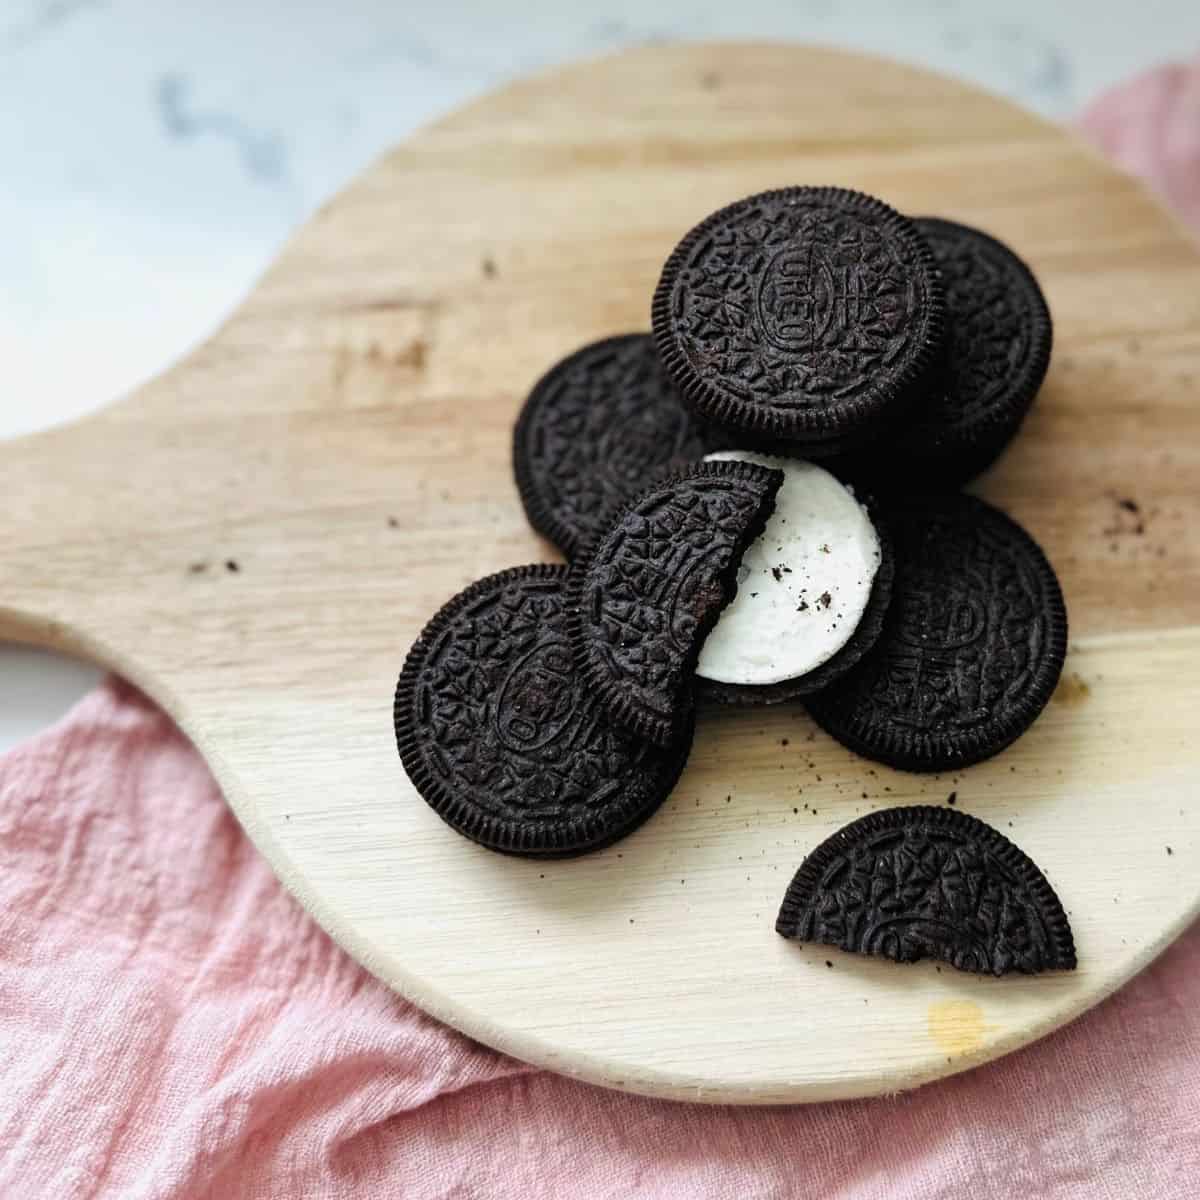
(172, 1024)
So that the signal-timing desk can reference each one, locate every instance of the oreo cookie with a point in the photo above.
(595, 428)
(648, 591)
(805, 319)
(498, 731)
(814, 588)
(929, 883)
(998, 341)
(971, 648)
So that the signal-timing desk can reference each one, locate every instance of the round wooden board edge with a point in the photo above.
(32, 629)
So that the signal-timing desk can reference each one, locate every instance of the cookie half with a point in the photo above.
(972, 645)
(596, 427)
(812, 594)
(648, 591)
(998, 342)
(804, 319)
(500, 735)
(923, 882)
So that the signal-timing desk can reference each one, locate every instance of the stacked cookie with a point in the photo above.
(757, 504)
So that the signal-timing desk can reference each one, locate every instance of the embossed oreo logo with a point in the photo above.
(941, 613)
(806, 299)
(790, 295)
(536, 701)
(694, 595)
(630, 449)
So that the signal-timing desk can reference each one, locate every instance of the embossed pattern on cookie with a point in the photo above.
(929, 883)
(998, 343)
(805, 316)
(649, 590)
(595, 428)
(971, 649)
(501, 737)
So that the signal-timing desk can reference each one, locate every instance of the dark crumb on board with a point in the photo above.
(795, 810)
(393, 523)
(231, 565)
(829, 964)
(1129, 505)
(952, 798)
(783, 741)
(825, 548)
(1169, 850)
(825, 600)
(778, 574)
(488, 266)
(197, 568)
(802, 606)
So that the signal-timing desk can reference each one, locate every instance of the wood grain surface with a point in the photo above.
(256, 537)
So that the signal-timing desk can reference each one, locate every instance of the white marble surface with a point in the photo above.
(155, 155)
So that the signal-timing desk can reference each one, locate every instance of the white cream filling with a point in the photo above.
(803, 586)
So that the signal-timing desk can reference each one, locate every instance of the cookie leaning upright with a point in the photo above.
(648, 591)
(806, 319)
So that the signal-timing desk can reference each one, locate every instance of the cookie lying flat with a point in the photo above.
(804, 319)
(813, 591)
(998, 340)
(646, 593)
(923, 882)
(499, 734)
(595, 429)
(972, 645)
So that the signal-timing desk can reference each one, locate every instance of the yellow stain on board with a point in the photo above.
(956, 1026)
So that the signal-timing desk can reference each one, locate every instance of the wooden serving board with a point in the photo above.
(256, 537)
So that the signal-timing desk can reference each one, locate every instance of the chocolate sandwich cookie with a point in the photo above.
(594, 430)
(500, 735)
(647, 592)
(812, 594)
(806, 320)
(971, 648)
(924, 882)
(998, 341)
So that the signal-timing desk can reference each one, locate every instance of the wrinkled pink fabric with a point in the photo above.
(1151, 126)
(173, 1025)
